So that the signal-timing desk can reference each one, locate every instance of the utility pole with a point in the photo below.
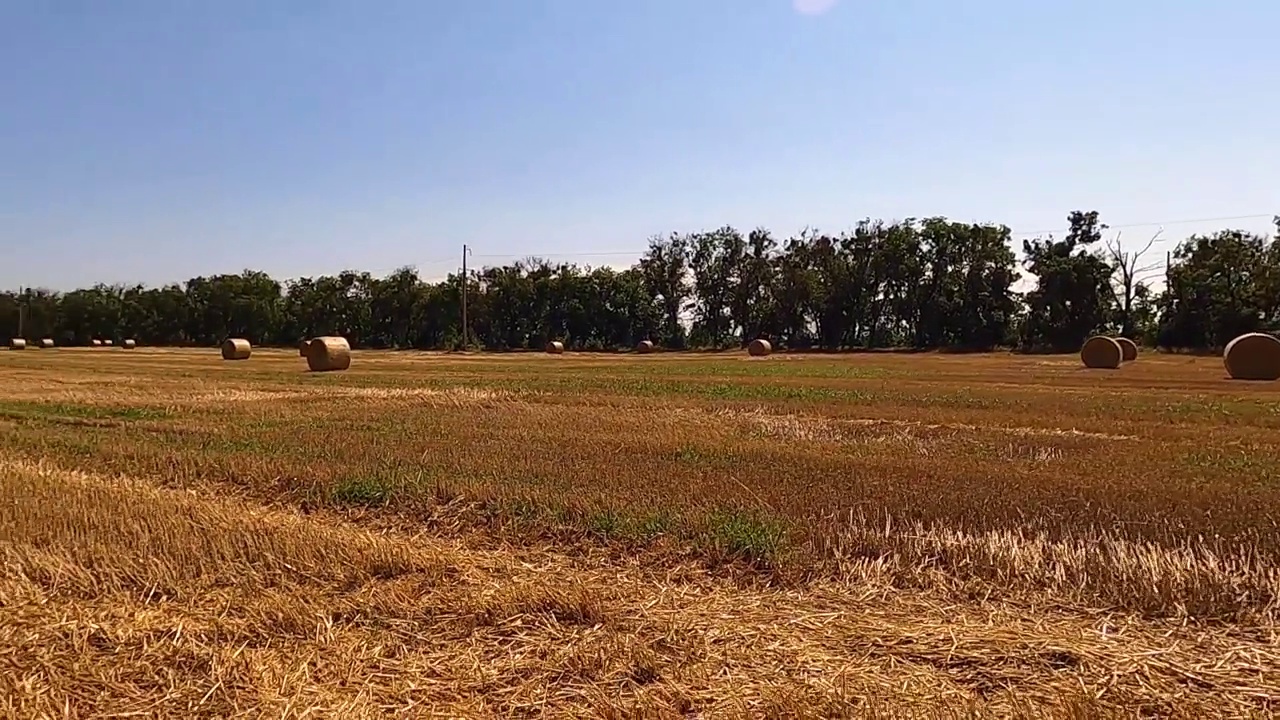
(465, 334)
(22, 311)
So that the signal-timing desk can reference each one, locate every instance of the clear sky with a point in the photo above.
(153, 140)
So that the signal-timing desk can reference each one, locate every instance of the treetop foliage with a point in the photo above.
(919, 283)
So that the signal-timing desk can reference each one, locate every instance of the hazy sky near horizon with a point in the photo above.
(154, 140)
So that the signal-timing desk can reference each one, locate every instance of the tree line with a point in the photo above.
(919, 283)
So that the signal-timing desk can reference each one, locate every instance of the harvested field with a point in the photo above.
(661, 535)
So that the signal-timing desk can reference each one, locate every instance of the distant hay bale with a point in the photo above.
(95, 343)
(1101, 351)
(1253, 356)
(645, 347)
(236, 349)
(555, 347)
(1128, 349)
(129, 344)
(759, 348)
(325, 354)
(17, 344)
(302, 348)
(108, 342)
(46, 343)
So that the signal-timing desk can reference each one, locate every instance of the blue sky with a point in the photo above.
(153, 140)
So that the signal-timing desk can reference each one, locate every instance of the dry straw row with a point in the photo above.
(757, 348)
(323, 354)
(1252, 356)
(47, 343)
(556, 347)
(1101, 351)
(236, 349)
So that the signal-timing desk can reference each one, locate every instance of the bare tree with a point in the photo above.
(1130, 279)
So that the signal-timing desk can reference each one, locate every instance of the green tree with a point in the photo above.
(1073, 297)
(1218, 288)
(966, 298)
(665, 267)
(930, 283)
(715, 262)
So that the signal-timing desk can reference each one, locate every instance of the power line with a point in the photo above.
(560, 255)
(379, 271)
(1158, 222)
(636, 253)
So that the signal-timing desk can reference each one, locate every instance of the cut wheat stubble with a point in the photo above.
(329, 601)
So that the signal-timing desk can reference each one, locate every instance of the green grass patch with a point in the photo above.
(1223, 410)
(1239, 463)
(710, 457)
(20, 410)
(362, 491)
(747, 535)
(606, 523)
(656, 524)
(811, 370)
(966, 400)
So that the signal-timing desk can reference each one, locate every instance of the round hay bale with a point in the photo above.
(759, 348)
(325, 354)
(555, 347)
(1101, 351)
(1128, 349)
(302, 348)
(645, 347)
(17, 344)
(1253, 356)
(236, 349)
(95, 343)
(129, 344)
(108, 343)
(46, 343)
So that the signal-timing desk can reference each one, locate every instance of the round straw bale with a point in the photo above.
(645, 347)
(95, 343)
(46, 343)
(555, 347)
(129, 344)
(108, 342)
(1253, 356)
(17, 344)
(1128, 349)
(1100, 351)
(759, 348)
(236, 349)
(328, 353)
